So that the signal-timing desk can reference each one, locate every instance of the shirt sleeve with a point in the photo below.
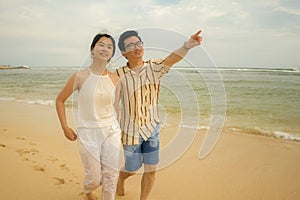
(159, 67)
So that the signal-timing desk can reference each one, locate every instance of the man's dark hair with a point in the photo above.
(125, 35)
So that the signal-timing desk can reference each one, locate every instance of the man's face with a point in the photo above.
(133, 48)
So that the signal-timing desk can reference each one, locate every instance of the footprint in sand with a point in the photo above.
(21, 138)
(34, 151)
(27, 154)
(32, 144)
(53, 159)
(59, 181)
(38, 168)
(2, 145)
(64, 167)
(23, 152)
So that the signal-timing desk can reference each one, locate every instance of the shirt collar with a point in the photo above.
(127, 68)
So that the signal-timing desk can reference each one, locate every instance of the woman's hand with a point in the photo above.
(70, 134)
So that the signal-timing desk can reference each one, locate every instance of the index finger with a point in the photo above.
(198, 32)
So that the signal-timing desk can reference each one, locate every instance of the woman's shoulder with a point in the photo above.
(82, 73)
(80, 76)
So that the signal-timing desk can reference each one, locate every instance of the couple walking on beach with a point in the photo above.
(98, 131)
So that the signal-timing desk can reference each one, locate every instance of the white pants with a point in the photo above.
(99, 150)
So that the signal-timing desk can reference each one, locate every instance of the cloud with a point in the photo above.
(59, 32)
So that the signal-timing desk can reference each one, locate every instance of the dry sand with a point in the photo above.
(37, 162)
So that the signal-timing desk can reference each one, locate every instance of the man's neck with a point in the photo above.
(135, 65)
(132, 64)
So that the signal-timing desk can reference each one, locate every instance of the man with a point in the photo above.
(139, 91)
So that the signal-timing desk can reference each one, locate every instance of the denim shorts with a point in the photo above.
(146, 152)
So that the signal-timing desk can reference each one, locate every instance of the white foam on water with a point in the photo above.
(286, 136)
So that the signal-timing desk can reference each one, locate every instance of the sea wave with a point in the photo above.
(287, 70)
(286, 136)
(255, 131)
(39, 101)
(267, 133)
(246, 69)
(193, 127)
(7, 99)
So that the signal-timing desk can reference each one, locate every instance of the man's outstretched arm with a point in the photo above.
(178, 54)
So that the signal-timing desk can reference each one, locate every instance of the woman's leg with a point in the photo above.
(92, 170)
(110, 166)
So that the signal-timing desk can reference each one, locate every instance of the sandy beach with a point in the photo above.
(37, 162)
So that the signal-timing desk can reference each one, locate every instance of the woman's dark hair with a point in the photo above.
(98, 37)
(125, 35)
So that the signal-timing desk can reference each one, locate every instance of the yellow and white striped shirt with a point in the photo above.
(139, 98)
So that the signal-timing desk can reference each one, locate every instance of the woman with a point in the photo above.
(98, 131)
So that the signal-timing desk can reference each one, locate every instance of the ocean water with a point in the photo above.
(261, 101)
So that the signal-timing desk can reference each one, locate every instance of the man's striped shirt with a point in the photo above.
(139, 100)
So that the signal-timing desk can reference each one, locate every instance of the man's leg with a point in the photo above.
(151, 159)
(147, 181)
(133, 162)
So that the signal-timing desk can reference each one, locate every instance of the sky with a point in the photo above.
(236, 33)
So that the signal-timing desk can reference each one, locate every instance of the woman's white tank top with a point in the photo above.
(95, 102)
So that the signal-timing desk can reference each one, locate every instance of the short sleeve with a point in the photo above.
(158, 67)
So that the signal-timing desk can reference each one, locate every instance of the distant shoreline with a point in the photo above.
(13, 67)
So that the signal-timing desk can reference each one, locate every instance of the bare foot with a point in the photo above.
(120, 188)
(91, 196)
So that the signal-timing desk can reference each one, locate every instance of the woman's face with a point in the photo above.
(103, 49)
